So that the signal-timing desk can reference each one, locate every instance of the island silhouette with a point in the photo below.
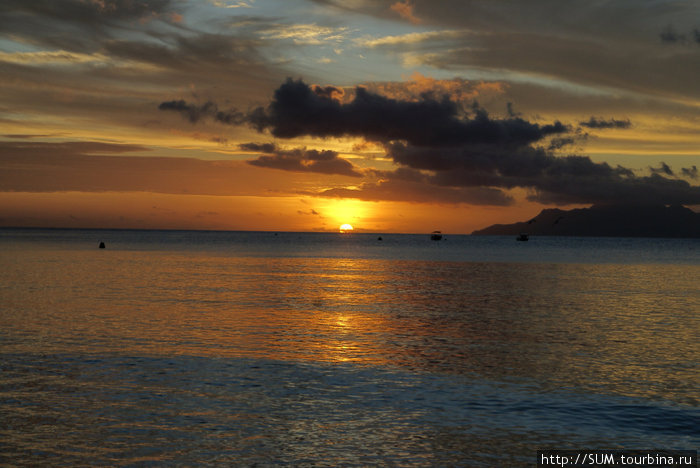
(607, 221)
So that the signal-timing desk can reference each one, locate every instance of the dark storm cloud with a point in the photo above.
(600, 123)
(650, 190)
(297, 110)
(663, 169)
(690, 172)
(450, 154)
(465, 152)
(195, 113)
(550, 178)
(268, 148)
(524, 167)
(300, 160)
(559, 143)
(192, 112)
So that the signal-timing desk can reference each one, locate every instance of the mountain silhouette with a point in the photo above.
(607, 221)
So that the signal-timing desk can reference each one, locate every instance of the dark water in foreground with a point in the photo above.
(196, 348)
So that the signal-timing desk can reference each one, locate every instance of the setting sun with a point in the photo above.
(345, 228)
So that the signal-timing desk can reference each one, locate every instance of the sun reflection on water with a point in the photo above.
(589, 326)
(196, 358)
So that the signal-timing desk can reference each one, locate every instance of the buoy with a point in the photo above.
(102, 245)
(379, 238)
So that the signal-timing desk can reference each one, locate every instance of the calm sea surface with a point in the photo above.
(215, 348)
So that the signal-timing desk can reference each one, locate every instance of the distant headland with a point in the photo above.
(607, 221)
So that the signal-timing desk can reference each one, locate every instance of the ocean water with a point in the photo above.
(299, 349)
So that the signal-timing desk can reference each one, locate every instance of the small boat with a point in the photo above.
(436, 236)
(522, 237)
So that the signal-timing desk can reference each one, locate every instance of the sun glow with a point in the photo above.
(345, 228)
(345, 211)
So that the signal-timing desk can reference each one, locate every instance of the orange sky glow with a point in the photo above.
(391, 116)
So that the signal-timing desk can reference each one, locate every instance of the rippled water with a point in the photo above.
(323, 350)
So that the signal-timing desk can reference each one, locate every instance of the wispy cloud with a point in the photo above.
(223, 4)
(305, 34)
(52, 57)
(411, 38)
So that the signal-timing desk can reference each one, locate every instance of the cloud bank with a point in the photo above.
(296, 110)
(446, 152)
(300, 160)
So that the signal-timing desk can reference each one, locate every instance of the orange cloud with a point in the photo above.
(332, 92)
(405, 11)
(457, 89)
(364, 145)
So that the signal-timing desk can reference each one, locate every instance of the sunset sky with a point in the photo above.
(302, 115)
